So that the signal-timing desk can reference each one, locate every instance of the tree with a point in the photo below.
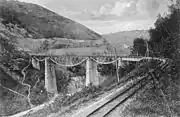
(10, 16)
(106, 69)
(139, 47)
(79, 70)
(7, 46)
(164, 38)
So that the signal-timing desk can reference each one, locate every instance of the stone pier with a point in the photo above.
(91, 73)
(50, 77)
(120, 68)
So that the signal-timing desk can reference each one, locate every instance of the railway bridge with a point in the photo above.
(90, 59)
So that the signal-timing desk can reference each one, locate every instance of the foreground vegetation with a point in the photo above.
(161, 100)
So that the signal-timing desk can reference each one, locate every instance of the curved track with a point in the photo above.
(107, 108)
(119, 99)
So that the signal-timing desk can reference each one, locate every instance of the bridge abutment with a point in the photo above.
(91, 73)
(50, 77)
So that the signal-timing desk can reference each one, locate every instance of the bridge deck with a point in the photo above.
(123, 57)
(44, 55)
(83, 55)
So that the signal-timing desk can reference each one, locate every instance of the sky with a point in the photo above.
(109, 16)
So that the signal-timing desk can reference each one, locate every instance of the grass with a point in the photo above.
(12, 103)
(152, 102)
(70, 103)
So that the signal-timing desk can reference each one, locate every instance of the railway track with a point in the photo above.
(128, 78)
(108, 107)
(130, 88)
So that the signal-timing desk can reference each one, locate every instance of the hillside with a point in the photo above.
(30, 27)
(42, 23)
(125, 38)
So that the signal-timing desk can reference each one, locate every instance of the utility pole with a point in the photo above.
(117, 67)
(147, 48)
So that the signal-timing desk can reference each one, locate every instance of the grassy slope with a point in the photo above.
(151, 103)
(8, 98)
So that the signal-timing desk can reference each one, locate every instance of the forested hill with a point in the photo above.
(125, 37)
(38, 22)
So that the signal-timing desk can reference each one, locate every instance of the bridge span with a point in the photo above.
(91, 60)
(123, 57)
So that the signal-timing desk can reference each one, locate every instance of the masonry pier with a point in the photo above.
(50, 77)
(91, 73)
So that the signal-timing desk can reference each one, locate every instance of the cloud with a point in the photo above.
(105, 9)
(116, 9)
(29, 1)
(109, 16)
(103, 27)
(131, 9)
(121, 7)
(150, 8)
(65, 12)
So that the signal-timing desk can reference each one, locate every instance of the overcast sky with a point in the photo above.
(107, 16)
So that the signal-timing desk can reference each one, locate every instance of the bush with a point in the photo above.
(78, 70)
(62, 81)
(87, 91)
(106, 70)
(10, 16)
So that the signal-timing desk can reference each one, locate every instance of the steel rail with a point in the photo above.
(125, 99)
(114, 98)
